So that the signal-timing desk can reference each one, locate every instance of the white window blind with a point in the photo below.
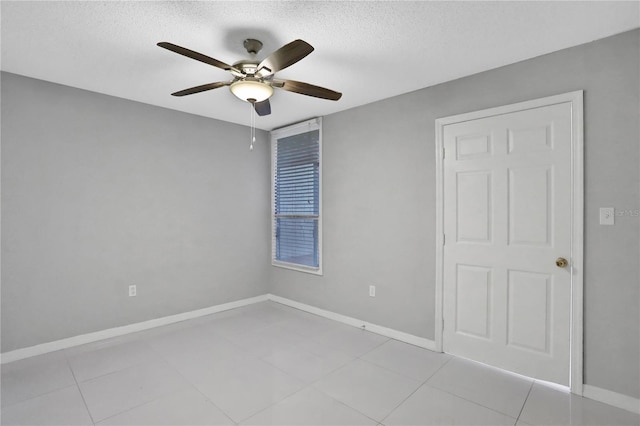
(296, 196)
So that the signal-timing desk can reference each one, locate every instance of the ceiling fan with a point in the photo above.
(254, 81)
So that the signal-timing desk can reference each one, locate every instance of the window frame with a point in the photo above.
(283, 132)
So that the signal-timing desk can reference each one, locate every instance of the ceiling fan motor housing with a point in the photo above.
(248, 68)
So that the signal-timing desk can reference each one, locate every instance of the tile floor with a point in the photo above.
(268, 364)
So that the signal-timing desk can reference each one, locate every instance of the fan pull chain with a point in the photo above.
(253, 126)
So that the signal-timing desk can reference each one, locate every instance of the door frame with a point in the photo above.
(577, 218)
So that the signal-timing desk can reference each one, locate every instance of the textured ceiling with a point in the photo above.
(367, 50)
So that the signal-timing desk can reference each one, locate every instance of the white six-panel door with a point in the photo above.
(507, 218)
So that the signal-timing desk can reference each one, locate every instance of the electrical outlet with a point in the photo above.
(132, 290)
(372, 290)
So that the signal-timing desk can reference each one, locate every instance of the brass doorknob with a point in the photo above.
(561, 262)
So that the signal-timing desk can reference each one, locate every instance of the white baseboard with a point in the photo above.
(384, 331)
(82, 339)
(619, 400)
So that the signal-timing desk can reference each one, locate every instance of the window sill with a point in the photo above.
(296, 267)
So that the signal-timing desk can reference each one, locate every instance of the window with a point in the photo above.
(296, 197)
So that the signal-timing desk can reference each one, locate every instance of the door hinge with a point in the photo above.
(444, 238)
(443, 153)
(443, 325)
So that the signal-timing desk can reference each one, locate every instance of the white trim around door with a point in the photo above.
(577, 218)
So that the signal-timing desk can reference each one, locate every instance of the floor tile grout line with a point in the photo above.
(134, 407)
(110, 373)
(400, 403)
(62, 357)
(217, 336)
(439, 368)
(306, 385)
(346, 405)
(352, 356)
(310, 383)
(143, 361)
(284, 345)
(469, 400)
(358, 358)
(271, 405)
(423, 383)
(167, 364)
(387, 339)
(84, 401)
(525, 400)
(350, 407)
(388, 370)
(37, 396)
(197, 389)
(213, 403)
(305, 336)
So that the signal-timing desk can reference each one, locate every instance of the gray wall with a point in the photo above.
(100, 192)
(379, 180)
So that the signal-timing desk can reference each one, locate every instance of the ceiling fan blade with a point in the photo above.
(262, 108)
(286, 56)
(204, 87)
(197, 56)
(308, 89)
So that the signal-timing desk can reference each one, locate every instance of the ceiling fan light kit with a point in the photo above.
(251, 90)
(254, 81)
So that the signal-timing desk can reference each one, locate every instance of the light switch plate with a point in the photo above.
(607, 215)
